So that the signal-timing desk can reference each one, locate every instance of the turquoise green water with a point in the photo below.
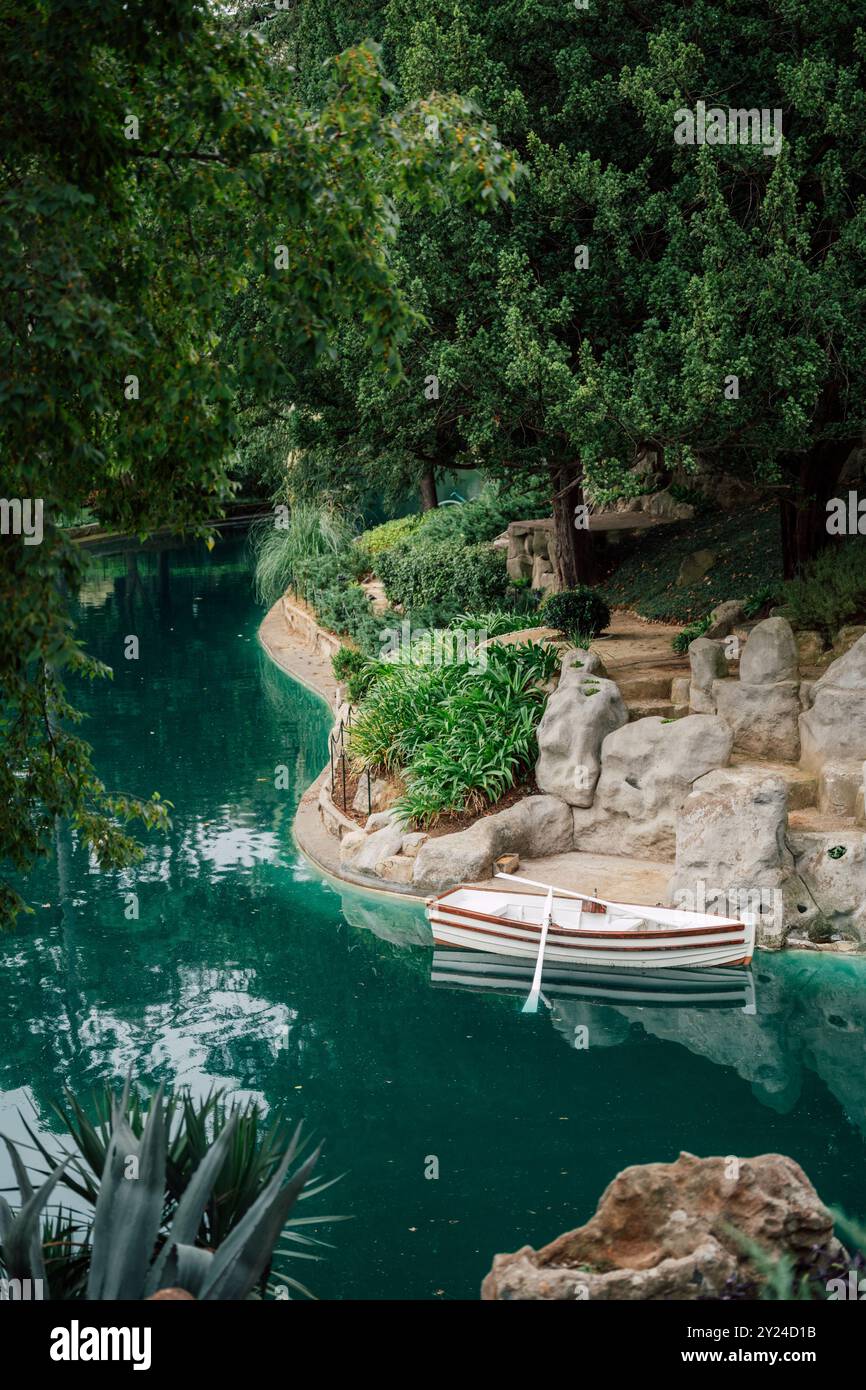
(238, 940)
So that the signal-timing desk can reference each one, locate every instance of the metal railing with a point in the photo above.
(337, 753)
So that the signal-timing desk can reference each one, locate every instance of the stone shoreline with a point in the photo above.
(713, 807)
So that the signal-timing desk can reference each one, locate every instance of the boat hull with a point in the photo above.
(592, 941)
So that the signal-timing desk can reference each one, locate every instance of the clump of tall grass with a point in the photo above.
(286, 554)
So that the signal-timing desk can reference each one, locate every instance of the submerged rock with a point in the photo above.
(668, 1231)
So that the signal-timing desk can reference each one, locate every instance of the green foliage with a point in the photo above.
(162, 288)
(447, 571)
(357, 670)
(690, 633)
(496, 621)
(576, 613)
(748, 559)
(755, 603)
(289, 554)
(208, 1206)
(831, 591)
(390, 533)
(461, 735)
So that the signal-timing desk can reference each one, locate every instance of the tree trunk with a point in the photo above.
(575, 558)
(429, 500)
(813, 479)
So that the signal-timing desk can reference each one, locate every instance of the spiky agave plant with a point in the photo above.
(132, 1253)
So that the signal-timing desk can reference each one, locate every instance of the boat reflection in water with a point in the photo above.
(712, 988)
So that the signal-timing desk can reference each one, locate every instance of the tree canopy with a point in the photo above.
(704, 300)
(160, 175)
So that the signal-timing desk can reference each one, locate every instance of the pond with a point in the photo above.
(244, 968)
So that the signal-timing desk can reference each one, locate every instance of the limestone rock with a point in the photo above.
(534, 826)
(770, 654)
(725, 618)
(647, 771)
(666, 1231)
(364, 855)
(396, 868)
(846, 637)
(680, 691)
(378, 820)
(836, 883)
(707, 660)
(810, 646)
(581, 661)
(695, 566)
(834, 726)
(838, 786)
(579, 716)
(731, 853)
(412, 843)
(382, 793)
(764, 718)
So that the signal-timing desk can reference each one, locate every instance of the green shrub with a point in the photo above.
(461, 734)
(496, 621)
(690, 634)
(831, 591)
(357, 671)
(428, 571)
(578, 614)
(381, 538)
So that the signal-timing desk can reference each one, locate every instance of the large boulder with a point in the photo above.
(647, 771)
(363, 852)
(764, 719)
(725, 618)
(831, 877)
(670, 1231)
(731, 852)
(834, 726)
(770, 654)
(579, 716)
(534, 826)
(708, 664)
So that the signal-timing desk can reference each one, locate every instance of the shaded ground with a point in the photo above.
(748, 559)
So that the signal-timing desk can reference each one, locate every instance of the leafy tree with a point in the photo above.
(158, 169)
(717, 312)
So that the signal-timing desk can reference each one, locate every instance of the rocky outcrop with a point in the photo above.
(725, 618)
(535, 826)
(764, 719)
(731, 855)
(670, 1231)
(831, 880)
(579, 715)
(708, 664)
(834, 726)
(648, 768)
(762, 708)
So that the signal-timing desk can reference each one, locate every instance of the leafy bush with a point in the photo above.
(756, 602)
(496, 621)
(461, 734)
(357, 670)
(831, 591)
(429, 571)
(690, 633)
(381, 538)
(474, 522)
(576, 613)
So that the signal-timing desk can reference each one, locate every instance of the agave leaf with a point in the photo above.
(128, 1209)
(241, 1259)
(22, 1234)
(187, 1267)
(187, 1218)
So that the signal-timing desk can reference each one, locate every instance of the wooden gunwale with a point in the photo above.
(582, 932)
(569, 945)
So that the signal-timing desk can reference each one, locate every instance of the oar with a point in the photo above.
(533, 883)
(531, 1005)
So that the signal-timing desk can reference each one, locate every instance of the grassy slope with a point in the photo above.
(748, 557)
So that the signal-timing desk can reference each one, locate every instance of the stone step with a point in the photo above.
(642, 709)
(651, 686)
(802, 785)
(810, 819)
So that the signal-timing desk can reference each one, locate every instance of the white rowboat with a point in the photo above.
(587, 931)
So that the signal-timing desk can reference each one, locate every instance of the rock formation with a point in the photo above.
(667, 1231)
